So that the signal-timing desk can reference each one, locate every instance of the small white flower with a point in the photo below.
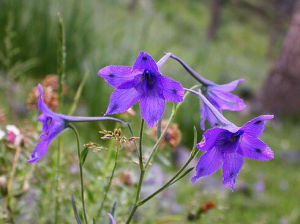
(12, 128)
(13, 134)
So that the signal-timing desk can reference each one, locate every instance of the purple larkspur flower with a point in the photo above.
(222, 99)
(144, 83)
(218, 95)
(229, 146)
(53, 124)
(112, 219)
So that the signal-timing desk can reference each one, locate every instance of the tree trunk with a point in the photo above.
(215, 16)
(281, 91)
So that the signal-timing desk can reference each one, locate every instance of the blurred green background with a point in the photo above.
(104, 32)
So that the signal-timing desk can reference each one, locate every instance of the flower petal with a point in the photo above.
(256, 126)
(208, 164)
(39, 151)
(117, 75)
(41, 104)
(145, 61)
(172, 90)
(209, 139)
(121, 100)
(227, 87)
(152, 108)
(253, 148)
(233, 163)
(112, 220)
(226, 101)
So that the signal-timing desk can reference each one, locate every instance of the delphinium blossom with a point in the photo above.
(229, 145)
(53, 124)
(144, 83)
(218, 95)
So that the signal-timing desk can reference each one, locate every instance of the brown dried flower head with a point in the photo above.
(51, 81)
(50, 85)
(172, 137)
(117, 136)
(126, 179)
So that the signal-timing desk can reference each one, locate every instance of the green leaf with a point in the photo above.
(83, 155)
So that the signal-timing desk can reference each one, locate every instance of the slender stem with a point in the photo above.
(107, 187)
(140, 146)
(81, 173)
(78, 93)
(61, 55)
(217, 114)
(88, 119)
(132, 134)
(191, 71)
(142, 172)
(141, 178)
(159, 128)
(61, 65)
(156, 145)
(57, 179)
(170, 182)
(11, 177)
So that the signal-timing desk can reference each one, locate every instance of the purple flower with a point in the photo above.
(112, 220)
(221, 99)
(228, 146)
(218, 95)
(144, 83)
(53, 124)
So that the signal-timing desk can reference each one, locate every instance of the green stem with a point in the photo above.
(108, 184)
(173, 179)
(178, 176)
(81, 173)
(141, 178)
(140, 146)
(57, 178)
(78, 94)
(156, 145)
(61, 62)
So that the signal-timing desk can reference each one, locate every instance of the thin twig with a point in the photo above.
(81, 173)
